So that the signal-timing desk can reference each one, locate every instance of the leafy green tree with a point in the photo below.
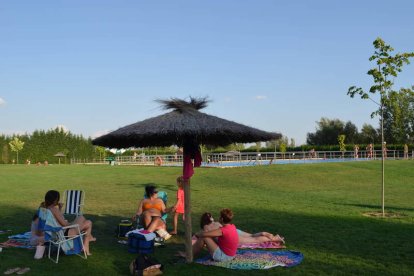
(399, 116)
(351, 133)
(383, 74)
(341, 142)
(16, 145)
(327, 132)
(102, 152)
(368, 134)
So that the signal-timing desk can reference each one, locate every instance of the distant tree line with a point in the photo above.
(41, 146)
(328, 130)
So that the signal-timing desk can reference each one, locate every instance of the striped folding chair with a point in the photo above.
(74, 201)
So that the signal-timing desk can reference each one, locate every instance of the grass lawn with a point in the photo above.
(317, 208)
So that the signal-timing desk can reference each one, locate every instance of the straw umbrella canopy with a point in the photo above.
(187, 127)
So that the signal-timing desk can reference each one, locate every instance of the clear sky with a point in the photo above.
(94, 66)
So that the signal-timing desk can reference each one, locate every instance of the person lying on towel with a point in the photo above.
(207, 223)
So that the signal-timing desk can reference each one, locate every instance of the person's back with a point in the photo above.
(229, 241)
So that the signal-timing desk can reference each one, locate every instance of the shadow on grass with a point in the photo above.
(377, 207)
(331, 244)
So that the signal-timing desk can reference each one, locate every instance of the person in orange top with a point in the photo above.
(150, 210)
(179, 205)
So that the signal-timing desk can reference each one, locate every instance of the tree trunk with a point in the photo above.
(188, 225)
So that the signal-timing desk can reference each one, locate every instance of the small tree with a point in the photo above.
(383, 74)
(283, 149)
(341, 142)
(16, 145)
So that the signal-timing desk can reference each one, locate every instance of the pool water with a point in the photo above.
(278, 162)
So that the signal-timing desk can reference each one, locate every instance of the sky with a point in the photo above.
(94, 66)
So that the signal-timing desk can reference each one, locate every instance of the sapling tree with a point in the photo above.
(16, 145)
(384, 73)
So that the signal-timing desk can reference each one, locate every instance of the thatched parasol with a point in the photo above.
(59, 155)
(187, 127)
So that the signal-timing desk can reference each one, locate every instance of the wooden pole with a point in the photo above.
(188, 225)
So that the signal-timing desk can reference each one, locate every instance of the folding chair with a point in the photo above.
(55, 236)
(74, 201)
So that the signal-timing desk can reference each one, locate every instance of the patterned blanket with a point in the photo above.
(257, 259)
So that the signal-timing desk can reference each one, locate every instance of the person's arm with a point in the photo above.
(164, 209)
(209, 234)
(139, 210)
(58, 216)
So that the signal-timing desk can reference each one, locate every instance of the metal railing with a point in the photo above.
(249, 158)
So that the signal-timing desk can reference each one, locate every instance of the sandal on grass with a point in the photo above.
(11, 270)
(23, 270)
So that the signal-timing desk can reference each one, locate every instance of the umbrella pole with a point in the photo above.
(187, 222)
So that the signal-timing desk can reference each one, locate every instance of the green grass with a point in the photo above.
(316, 207)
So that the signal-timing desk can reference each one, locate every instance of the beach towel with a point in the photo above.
(18, 241)
(257, 259)
(263, 245)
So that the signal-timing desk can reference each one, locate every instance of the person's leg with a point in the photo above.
(251, 239)
(199, 244)
(265, 234)
(146, 218)
(84, 226)
(211, 245)
(155, 224)
(174, 232)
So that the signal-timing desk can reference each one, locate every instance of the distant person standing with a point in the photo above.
(370, 151)
(356, 150)
(405, 151)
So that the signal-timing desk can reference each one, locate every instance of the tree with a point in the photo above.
(341, 142)
(399, 116)
(368, 134)
(327, 132)
(102, 151)
(383, 74)
(16, 145)
(351, 133)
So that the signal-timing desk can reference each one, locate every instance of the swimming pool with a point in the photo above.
(224, 164)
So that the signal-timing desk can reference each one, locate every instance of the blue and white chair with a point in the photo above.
(55, 236)
(74, 201)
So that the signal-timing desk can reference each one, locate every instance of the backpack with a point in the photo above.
(145, 265)
(124, 227)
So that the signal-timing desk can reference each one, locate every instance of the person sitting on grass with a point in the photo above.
(227, 239)
(207, 223)
(52, 203)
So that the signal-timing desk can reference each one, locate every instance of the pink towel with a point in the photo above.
(188, 170)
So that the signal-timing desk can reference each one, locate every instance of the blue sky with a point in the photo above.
(95, 66)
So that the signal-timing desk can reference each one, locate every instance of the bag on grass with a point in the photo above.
(145, 265)
(124, 227)
(138, 244)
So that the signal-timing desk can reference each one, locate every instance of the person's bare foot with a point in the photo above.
(92, 238)
(278, 238)
(173, 233)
